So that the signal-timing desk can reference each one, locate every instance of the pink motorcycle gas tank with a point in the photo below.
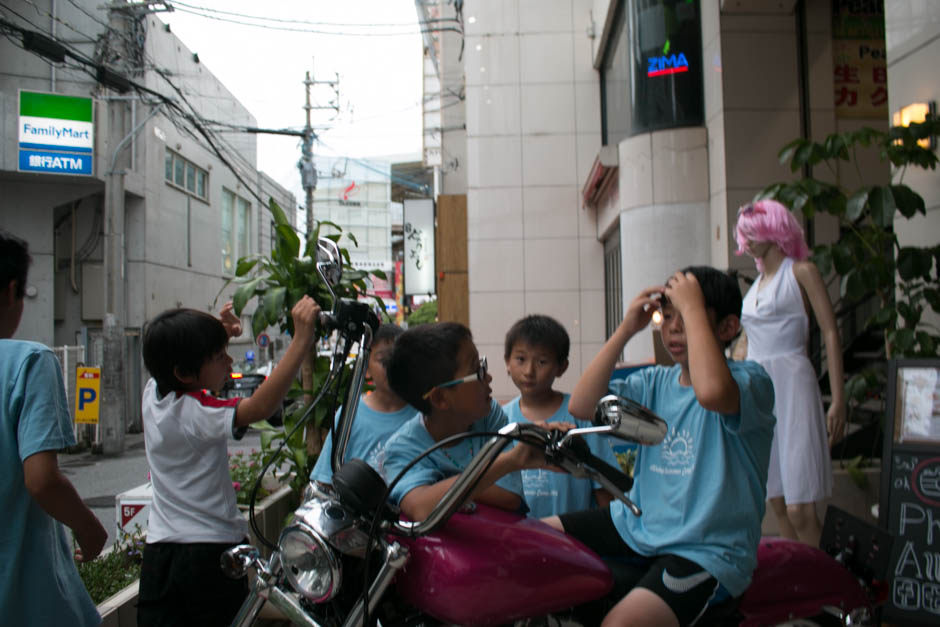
(795, 580)
(491, 567)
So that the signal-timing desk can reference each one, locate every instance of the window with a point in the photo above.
(186, 175)
(651, 77)
(235, 230)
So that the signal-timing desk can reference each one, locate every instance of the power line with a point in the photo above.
(296, 21)
(311, 31)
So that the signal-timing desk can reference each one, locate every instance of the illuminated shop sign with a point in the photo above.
(56, 133)
(667, 64)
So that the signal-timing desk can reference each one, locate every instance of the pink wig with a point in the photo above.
(770, 221)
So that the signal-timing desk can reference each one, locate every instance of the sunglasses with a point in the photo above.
(479, 375)
(749, 208)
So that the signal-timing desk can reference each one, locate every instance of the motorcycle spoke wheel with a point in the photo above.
(823, 620)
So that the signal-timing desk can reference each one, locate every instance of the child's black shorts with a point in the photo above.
(183, 584)
(687, 588)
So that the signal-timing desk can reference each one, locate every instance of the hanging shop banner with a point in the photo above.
(419, 246)
(860, 66)
(87, 393)
(56, 134)
(399, 293)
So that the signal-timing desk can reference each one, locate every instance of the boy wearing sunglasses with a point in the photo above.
(437, 369)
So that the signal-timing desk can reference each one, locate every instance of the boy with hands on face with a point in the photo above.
(702, 490)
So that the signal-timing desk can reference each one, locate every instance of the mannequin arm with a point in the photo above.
(807, 275)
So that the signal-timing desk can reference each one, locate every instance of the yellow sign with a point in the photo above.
(87, 392)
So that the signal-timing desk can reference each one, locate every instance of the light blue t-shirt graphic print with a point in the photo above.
(702, 490)
(550, 493)
(413, 439)
(371, 429)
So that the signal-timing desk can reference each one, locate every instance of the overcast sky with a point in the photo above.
(264, 67)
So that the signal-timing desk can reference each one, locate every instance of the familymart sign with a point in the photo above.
(57, 133)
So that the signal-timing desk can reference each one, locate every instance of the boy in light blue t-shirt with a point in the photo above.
(438, 370)
(379, 415)
(40, 584)
(536, 353)
(702, 490)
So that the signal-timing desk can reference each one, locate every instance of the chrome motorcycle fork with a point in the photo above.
(265, 579)
(396, 556)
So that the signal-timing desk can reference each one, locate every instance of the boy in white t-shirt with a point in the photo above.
(194, 517)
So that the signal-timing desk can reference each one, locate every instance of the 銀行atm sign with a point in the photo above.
(667, 64)
(57, 133)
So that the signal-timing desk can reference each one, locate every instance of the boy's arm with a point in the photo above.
(594, 382)
(57, 497)
(263, 403)
(715, 388)
(421, 501)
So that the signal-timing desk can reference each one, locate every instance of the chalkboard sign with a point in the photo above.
(910, 491)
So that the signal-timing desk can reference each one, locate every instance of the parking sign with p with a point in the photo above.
(87, 391)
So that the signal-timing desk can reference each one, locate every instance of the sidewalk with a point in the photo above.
(99, 479)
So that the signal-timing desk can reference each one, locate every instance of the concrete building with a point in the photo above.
(609, 142)
(167, 205)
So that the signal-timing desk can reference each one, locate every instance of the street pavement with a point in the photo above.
(99, 479)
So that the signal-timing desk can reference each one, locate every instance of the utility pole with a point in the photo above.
(308, 170)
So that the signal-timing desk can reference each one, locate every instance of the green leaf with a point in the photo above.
(804, 156)
(928, 344)
(243, 294)
(855, 206)
(883, 318)
(258, 322)
(787, 152)
(274, 304)
(353, 238)
(902, 341)
(289, 241)
(882, 205)
(856, 388)
(853, 285)
(379, 273)
(822, 257)
(908, 201)
(914, 263)
(278, 213)
(245, 264)
(842, 257)
(266, 438)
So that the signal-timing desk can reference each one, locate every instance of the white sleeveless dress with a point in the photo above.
(777, 338)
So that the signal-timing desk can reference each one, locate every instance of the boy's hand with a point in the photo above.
(90, 542)
(684, 292)
(233, 326)
(640, 311)
(305, 314)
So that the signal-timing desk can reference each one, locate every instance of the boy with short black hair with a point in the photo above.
(702, 490)
(41, 585)
(380, 413)
(194, 517)
(438, 370)
(536, 354)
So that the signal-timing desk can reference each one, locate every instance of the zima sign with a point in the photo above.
(667, 64)
(57, 133)
(87, 391)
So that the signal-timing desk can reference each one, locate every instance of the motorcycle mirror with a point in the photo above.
(629, 420)
(329, 262)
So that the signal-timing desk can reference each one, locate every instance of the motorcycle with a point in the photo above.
(348, 558)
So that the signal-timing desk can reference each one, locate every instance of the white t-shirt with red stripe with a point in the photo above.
(186, 437)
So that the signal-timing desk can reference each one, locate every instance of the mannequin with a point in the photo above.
(776, 320)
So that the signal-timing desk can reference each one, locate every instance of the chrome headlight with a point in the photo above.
(309, 564)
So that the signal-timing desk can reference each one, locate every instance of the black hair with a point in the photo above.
(14, 262)
(542, 331)
(423, 357)
(180, 338)
(388, 332)
(721, 291)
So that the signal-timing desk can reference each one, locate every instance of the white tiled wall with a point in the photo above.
(533, 130)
